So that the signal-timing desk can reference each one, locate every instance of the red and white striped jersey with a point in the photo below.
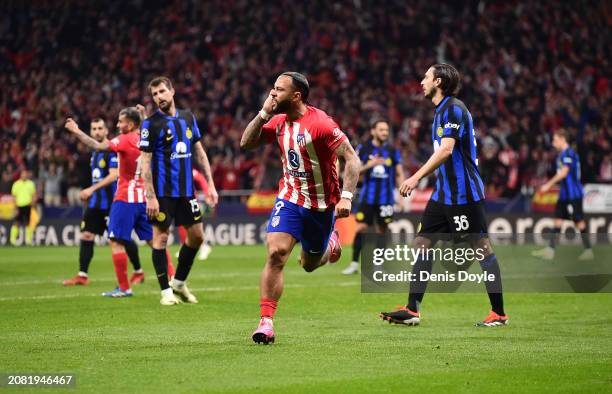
(131, 185)
(307, 149)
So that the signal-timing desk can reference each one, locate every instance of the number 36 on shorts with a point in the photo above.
(462, 222)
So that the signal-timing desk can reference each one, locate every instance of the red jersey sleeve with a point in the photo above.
(330, 132)
(268, 131)
(116, 144)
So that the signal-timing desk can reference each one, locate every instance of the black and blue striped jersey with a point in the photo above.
(170, 139)
(458, 179)
(101, 162)
(570, 187)
(379, 181)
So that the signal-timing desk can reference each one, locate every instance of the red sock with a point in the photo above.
(170, 265)
(182, 234)
(267, 307)
(120, 261)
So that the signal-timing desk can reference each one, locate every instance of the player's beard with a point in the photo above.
(282, 107)
(430, 93)
(165, 106)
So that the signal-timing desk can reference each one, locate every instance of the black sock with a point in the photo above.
(132, 251)
(357, 244)
(417, 286)
(586, 241)
(86, 252)
(494, 288)
(185, 261)
(160, 263)
(553, 236)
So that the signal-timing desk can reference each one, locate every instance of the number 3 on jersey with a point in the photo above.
(461, 222)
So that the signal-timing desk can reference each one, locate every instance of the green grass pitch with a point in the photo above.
(329, 336)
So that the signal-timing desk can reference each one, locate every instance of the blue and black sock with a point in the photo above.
(86, 252)
(494, 288)
(185, 261)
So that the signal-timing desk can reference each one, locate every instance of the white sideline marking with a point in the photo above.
(204, 289)
(113, 279)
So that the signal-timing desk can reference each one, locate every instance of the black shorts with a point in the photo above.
(569, 210)
(368, 213)
(465, 222)
(94, 220)
(23, 215)
(184, 210)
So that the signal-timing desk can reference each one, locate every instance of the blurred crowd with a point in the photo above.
(528, 68)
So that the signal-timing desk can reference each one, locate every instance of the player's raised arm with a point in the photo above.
(352, 167)
(435, 160)
(252, 136)
(201, 159)
(73, 127)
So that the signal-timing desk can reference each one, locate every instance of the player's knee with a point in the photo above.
(160, 241)
(277, 254)
(422, 242)
(195, 240)
(87, 236)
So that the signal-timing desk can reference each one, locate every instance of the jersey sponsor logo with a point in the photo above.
(337, 132)
(189, 133)
(143, 143)
(299, 174)
(96, 174)
(450, 125)
(567, 160)
(379, 171)
(181, 151)
(294, 159)
(144, 133)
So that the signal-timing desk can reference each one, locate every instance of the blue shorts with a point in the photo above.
(127, 216)
(311, 228)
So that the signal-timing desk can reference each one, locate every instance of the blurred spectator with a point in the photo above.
(524, 73)
(605, 169)
(6, 182)
(52, 181)
(73, 184)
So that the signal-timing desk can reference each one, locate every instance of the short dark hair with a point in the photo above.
(158, 81)
(131, 113)
(98, 120)
(450, 77)
(299, 83)
(376, 121)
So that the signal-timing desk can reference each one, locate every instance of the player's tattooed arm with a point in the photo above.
(201, 159)
(73, 127)
(147, 177)
(251, 137)
(352, 165)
